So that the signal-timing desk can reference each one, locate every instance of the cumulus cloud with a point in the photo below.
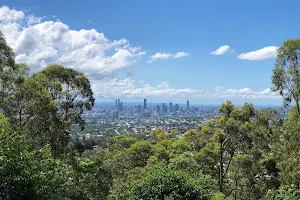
(261, 54)
(41, 43)
(10, 15)
(165, 56)
(221, 50)
(126, 88)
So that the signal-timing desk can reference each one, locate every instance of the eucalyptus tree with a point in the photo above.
(286, 74)
(71, 91)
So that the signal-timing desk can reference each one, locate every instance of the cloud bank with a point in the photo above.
(126, 88)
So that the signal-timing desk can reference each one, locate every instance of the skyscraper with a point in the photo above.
(145, 104)
(188, 105)
(157, 109)
(171, 107)
(163, 107)
(176, 107)
(121, 107)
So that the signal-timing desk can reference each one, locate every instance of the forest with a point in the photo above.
(243, 153)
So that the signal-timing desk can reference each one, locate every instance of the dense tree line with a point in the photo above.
(243, 153)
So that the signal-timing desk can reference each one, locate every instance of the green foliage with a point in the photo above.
(219, 196)
(184, 162)
(286, 74)
(285, 192)
(180, 146)
(139, 153)
(71, 91)
(121, 142)
(162, 183)
(28, 174)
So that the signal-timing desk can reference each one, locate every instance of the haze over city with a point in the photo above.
(205, 52)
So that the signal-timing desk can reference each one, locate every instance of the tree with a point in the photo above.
(231, 134)
(161, 182)
(139, 153)
(93, 176)
(27, 174)
(71, 91)
(7, 67)
(122, 142)
(286, 75)
(287, 152)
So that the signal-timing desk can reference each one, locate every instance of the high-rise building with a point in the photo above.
(171, 107)
(176, 107)
(188, 105)
(145, 104)
(121, 107)
(163, 107)
(157, 109)
(116, 105)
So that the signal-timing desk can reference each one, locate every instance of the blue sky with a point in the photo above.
(166, 51)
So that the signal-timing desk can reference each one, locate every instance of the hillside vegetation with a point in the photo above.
(243, 153)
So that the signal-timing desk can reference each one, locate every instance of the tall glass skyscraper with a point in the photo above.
(145, 104)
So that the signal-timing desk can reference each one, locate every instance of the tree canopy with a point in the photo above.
(242, 153)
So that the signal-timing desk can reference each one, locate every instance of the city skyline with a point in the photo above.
(172, 104)
(156, 50)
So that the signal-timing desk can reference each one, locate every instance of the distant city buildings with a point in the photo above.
(146, 110)
(145, 104)
(157, 109)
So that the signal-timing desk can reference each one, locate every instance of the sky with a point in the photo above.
(205, 51)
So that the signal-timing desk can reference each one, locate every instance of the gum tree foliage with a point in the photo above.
(286, 74)
(26, 174)
(71, 91)
(7, 70)
(161, 182)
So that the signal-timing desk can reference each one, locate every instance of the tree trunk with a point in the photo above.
(221, 168)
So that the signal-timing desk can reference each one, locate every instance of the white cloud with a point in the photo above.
(143, 82)
(181, 54)
(165, 56)
(10, 15)
(125, 88)
(163, 85)
(247, 93)
(32, 20)
(40, 43)
(46, 42)
(221, 50)
(261, 54)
